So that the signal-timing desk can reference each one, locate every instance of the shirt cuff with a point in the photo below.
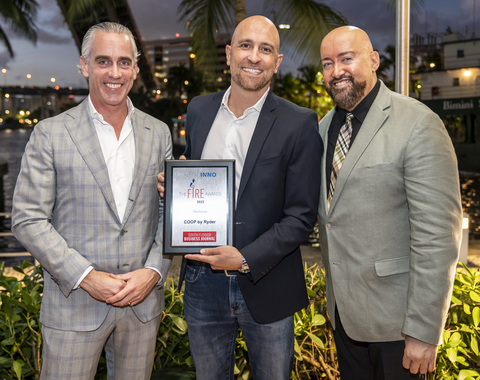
(87, 271)
(156, 270)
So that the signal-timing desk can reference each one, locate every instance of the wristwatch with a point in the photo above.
(244, 268)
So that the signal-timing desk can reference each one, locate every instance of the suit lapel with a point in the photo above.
(374, 120)
(203, 124)
(84, 136)
(323, 129)
(264, 124)
(143, 148)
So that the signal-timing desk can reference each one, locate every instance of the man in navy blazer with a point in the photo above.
(277, 152)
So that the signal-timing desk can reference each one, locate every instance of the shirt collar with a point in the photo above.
(361, 110)
(97, 116)
(256, 107)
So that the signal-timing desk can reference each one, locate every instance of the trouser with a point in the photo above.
(369, 361)
(214, 310)
(129, 346)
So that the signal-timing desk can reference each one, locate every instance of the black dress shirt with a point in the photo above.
(359, 114)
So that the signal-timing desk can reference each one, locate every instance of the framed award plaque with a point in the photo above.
(199, 205)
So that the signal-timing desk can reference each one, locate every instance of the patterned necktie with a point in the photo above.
(341, 150)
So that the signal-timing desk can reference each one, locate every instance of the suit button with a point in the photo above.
(329, 226)
(123, 232)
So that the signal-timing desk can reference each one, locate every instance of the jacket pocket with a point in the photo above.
(392, 266)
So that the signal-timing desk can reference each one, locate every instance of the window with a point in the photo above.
(460, 53)
(461, 128)
(456, 81)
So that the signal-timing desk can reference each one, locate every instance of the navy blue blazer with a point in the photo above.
(277, 200)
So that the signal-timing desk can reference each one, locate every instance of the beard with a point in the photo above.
(256, 85)
(347, 98)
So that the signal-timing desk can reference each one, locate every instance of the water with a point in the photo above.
(12, 145)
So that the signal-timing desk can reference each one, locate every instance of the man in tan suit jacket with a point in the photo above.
(390, 233)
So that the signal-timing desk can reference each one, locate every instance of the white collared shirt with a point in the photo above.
(119, 155)
(230, 137)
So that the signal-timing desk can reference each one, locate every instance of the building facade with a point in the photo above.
(453, 92)
(167, 53)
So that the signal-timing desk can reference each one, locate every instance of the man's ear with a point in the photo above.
(279, 61)
(84, 67)
(375, 57)
(228, 49)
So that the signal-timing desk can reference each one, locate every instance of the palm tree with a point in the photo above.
(91, 9)
(386, 62)
(309, 22)
(309, 76)
(19, 16)
(80, 15)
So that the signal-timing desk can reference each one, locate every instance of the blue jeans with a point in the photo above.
(214, 310)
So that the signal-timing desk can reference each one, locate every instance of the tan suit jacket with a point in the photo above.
(390, 238)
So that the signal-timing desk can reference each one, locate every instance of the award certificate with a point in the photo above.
(198, 205)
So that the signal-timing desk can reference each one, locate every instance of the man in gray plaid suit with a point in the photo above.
(87, 208)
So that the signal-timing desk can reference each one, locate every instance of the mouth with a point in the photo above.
(252, 71)
(113, 85)
(341, 83)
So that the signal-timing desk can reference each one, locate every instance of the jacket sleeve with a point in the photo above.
(33, 202)
(435, 216)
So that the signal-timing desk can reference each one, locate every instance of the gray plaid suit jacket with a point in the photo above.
(65, 215)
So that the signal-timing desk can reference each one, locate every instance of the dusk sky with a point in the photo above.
(56, 55)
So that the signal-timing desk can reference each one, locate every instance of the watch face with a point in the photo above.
(244, 268)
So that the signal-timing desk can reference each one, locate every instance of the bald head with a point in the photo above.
(349, 65)
(253, 56)
(260, 25)
(355, 36)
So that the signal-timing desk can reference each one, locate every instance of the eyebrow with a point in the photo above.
(261, 43)
(99, 57)
(340, 55)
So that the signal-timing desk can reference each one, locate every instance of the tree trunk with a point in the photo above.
(240, 11)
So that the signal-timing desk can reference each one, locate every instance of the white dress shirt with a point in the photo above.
(230, 137)
(119, 155)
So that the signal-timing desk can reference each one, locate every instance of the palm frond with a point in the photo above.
(19, 16)
(6, 42)
(204, 18)
(309, 22)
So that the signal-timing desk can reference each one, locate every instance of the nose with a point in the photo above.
(115, 71)
(338, 70)
(254, 56)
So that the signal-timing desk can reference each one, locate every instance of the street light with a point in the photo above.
(52, 80)
(5, 77)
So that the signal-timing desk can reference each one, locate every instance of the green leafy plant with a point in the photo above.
(172, 347)
(459, 355)
(20, 337)
(315, 353)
